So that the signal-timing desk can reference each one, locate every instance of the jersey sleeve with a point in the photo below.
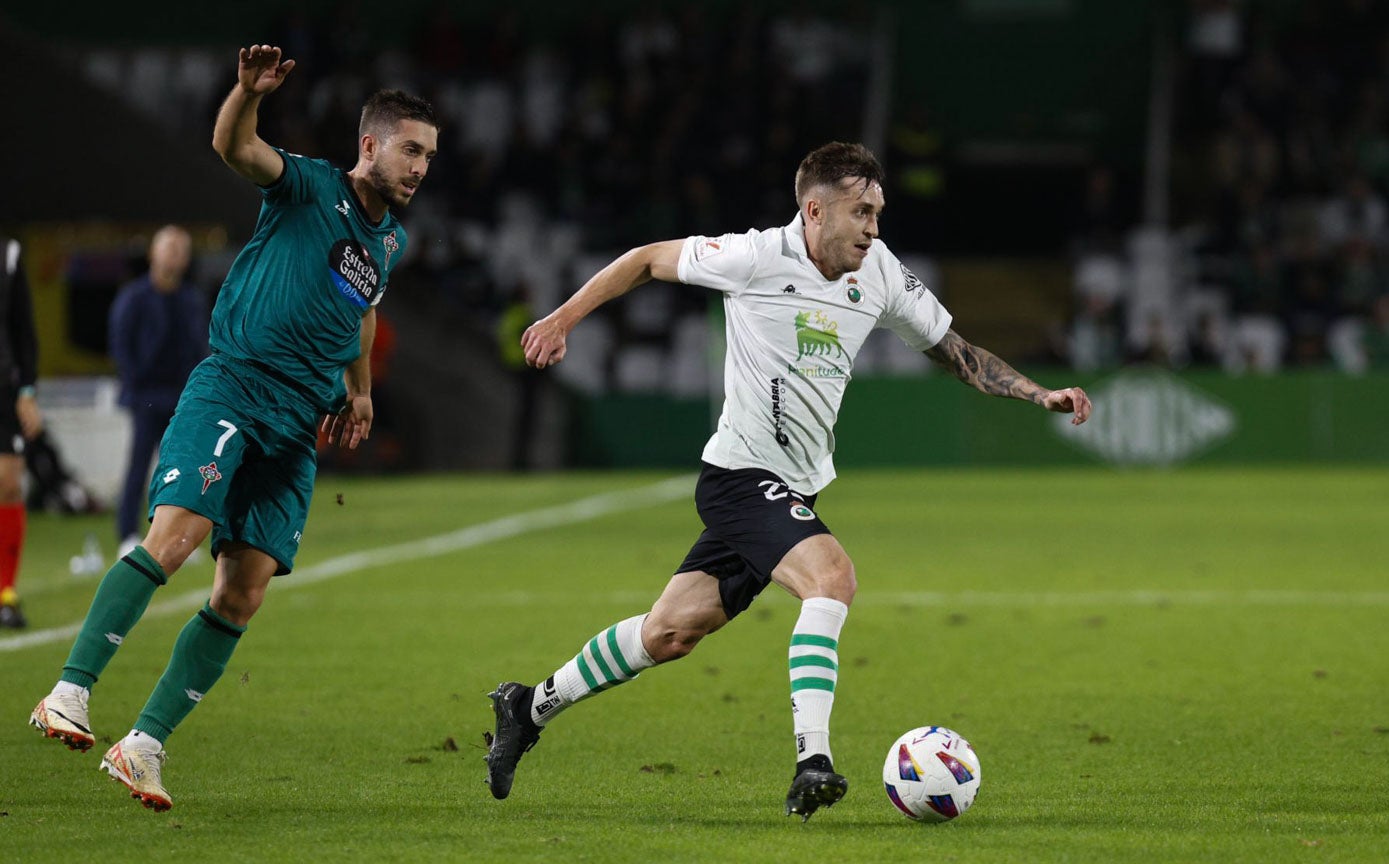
(723, 263)
(913, 312)
(300, 180)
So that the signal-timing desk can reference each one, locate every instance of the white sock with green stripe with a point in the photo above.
(814, 662)
(611, 658)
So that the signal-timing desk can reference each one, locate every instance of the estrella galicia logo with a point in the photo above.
(909, 278)
(354, 272)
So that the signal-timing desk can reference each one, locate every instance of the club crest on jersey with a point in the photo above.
(802, 512)
(210, 475)
(391, 245)
(853, 292)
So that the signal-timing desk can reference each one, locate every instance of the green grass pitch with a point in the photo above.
(1153, 666)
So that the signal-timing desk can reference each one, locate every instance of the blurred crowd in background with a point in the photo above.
(1278, 255)
(563, 146)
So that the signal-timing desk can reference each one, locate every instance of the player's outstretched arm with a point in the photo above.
(259, 72)
(544, 341)
(983, 371)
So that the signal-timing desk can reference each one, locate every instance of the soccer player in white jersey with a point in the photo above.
(799, 302)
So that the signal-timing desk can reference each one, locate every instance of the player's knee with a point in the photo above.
(170, 550)
(839, 582)
(173, 536)
(11, 486)
(672, 644)
(666, 642)
(237, 605)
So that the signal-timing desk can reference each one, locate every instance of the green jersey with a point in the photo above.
(294, 299)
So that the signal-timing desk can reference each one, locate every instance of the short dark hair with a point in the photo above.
(386, 108)
(832, 162)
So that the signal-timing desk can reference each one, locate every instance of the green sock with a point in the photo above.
(200, 656)
(120, 600)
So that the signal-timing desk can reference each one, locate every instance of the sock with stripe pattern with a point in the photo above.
(814, 666)
(613, 657)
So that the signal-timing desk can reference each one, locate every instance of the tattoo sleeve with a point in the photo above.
(982, 370)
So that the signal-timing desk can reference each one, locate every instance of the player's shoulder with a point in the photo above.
(312, 163)
(896, 276)
(741, 239)
(310, 168)
(883, 263)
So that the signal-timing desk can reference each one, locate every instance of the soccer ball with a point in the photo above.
(931, 774)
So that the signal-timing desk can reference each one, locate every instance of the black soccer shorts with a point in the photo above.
(751, 520)
(11, 441)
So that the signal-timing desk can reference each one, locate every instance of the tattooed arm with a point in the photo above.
(983, 371)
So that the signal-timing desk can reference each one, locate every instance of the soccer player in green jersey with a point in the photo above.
(291, 339)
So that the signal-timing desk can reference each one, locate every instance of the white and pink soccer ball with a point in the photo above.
(931, 774)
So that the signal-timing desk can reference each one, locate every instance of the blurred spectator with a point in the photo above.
(515, 318)
(157, 334)
(1356, 215)
(1257, 340)
(1096, 339)
(1214, 42)
(20, 419)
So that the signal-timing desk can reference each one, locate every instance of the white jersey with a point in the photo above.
(792, 338)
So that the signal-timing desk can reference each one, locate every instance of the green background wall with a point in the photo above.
(1141, 417)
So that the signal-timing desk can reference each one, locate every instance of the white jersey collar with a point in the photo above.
(794, 238)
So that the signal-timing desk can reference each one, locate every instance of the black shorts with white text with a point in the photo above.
(752, 518)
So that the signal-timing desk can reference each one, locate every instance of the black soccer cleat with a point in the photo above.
(815, 787)
(514, 735)
(11, 617)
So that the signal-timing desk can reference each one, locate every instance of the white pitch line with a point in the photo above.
(1133, 598)
(582, 510)
(981, 599)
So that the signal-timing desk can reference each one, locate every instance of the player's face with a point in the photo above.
(170, 252)
(845, 223)
(401, 160)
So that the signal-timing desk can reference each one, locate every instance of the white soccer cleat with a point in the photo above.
(64, 716)
(139, 769)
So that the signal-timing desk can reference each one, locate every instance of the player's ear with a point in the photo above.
(367, 147)
(812, 212)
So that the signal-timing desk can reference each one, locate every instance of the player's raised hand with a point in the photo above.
(260, 70)
(1072, 400)
(543, 342)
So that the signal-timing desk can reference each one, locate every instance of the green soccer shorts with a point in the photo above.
(240, 451)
